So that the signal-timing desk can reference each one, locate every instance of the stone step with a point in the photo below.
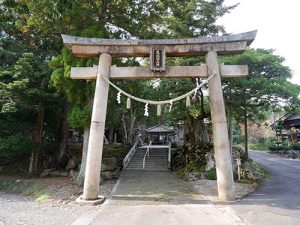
(150, 158)
(147, 165)
(151, 153)
(149, 169)
(156, 161)
(150, 162)
(160, 169)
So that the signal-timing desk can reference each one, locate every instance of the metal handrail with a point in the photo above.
(146, 153)
(169, 156)
(129, 155)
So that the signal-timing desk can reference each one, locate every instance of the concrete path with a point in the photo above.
(277, 202)
(154, 198)
(146, 187)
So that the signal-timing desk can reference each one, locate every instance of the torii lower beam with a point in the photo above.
(227, 71)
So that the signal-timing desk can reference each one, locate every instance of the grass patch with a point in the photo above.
(43, 196)
(212, 174)
(259, 147)
(26, 187)
(17, 168)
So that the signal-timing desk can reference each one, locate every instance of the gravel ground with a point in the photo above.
(17, 209)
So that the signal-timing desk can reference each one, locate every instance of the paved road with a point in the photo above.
(277, 202)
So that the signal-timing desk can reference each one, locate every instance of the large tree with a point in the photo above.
(37, 25)
(24, 79)
(267, 88)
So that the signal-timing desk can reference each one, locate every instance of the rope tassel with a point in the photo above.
(171, 105)
(119, 98)
(128, 103)
(146, 110)
(158, 110)
(188, 101)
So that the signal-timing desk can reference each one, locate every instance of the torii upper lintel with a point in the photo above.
(223, 45)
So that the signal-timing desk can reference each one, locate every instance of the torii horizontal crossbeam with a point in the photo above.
(90, 73)
(223, 45)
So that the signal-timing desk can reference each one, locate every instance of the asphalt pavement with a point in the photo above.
(277, 201)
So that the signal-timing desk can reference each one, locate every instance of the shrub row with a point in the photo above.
(294, 146)
(15, 146)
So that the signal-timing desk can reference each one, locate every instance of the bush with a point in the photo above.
(262, 147)
(212, 174)
(278, 147)
(174, 145)
(295, 146)
(16, 146)
(190, 158)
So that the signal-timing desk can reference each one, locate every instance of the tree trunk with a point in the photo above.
(246, 128)
(196, 133)
(131, 127)
(230, 131)
(124, 128)
(111, 134)
(86, 135)
(31, 161)
(80, 176)
(37, 137)
(64, 134)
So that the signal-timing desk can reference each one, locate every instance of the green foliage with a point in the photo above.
(212, 174)
(18, 146)
(260, 147)
(116, 151)
(266, 88)
(194, 18)
(27, 187)
(295, 146)
(79, 117)
(278, 147)
(190, 158)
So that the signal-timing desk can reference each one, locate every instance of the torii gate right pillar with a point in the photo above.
(220, 133)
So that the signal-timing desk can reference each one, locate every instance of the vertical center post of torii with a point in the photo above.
(210, 47)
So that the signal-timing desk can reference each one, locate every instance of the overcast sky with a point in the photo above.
(278, 25)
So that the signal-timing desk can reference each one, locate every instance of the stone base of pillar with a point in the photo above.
(100, 200)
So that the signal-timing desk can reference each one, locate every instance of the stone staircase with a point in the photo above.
(156, 161)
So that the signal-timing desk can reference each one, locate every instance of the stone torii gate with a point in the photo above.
(157, 50)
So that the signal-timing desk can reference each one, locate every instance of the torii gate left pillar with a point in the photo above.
(209, 47)
(95, 146)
